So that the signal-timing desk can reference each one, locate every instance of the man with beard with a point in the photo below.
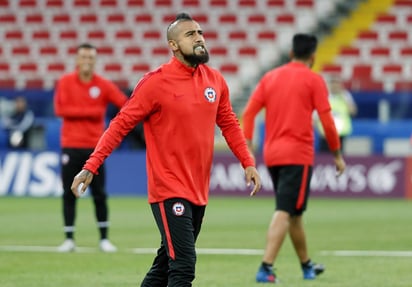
(81, 100)
(179, 103)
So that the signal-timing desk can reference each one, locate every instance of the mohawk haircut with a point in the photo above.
(179, 17)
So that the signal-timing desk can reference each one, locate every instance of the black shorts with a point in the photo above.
(292, 187)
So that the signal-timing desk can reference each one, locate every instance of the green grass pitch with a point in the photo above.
(230, 224)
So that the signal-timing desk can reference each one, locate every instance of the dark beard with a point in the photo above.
(195, 60)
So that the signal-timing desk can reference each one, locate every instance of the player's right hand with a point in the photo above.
(81, 181)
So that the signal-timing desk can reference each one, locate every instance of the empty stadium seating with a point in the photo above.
(381, 56)
(40, 36)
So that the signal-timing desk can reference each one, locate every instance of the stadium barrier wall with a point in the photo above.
(37, 174)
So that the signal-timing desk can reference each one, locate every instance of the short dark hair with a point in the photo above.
(304, 45)
(86, 46)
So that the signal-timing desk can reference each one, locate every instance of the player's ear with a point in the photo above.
(173, 45)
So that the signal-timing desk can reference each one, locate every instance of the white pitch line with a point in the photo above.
(213, 251)
(367, 253)
(209, 251)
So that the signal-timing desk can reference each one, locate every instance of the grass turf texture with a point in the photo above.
(233, 223)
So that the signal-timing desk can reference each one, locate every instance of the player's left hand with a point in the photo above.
(252, 175)
(81, 181)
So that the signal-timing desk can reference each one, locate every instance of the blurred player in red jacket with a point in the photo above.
(290, 94)
(81, 99)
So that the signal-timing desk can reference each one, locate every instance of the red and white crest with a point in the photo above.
(210, 95)
(178, 209)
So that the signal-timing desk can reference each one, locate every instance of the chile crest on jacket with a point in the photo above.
(210, 95)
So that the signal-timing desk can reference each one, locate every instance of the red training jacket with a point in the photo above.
(82, 106)
(179, 107)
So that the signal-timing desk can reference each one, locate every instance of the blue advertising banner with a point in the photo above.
(37, 174)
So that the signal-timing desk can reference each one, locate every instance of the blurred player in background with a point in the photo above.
(290, 94)
(343, 109)
(18, 123)
(179, 103)
(81, 100)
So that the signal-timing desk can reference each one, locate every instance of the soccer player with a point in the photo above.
(290, 94)
(179, 103)
(81, 99)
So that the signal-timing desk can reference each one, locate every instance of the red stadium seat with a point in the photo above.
(141, 68)
(368, 35)
(228, 19)
(348, 51)
(48, 51)
(201, 18)
(116, 18)
(34, 19)
(256, 19)
(392, 69)
(238, 35)
(70, 35)
(108, 3)
(4, 3)
(285, 19)
(7, 83)
(28, 4)
(409, 19)
(403, 85)
(8, 19)
(89, 18)
(135, 3)
(145, 18)
(191, 3)
(247, 3)
(4, 67)
(380, 52)
(398, 36)
(229, 68)
(403, 4)
(64, 19)
(41, 35)
(34, 83)
(247, 51)
(132, 51)
(275, 3)
(13, 35)
(163, 3)
(124, 35)
(386, 19)
(96, 35)
(106, 50)
(113, 67)
(362, 71)
(266, 36)
(20, 51)
(160, 51)
(56, 67)
(152, 35)
(364, 85)
(71, 51)
(218, 51)
(304, 4)
(335, 69)
(210, 35)
(406, 51)
(168, 18)
(30, 67)
(82, 3)
(218, 3)
(54, 4)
